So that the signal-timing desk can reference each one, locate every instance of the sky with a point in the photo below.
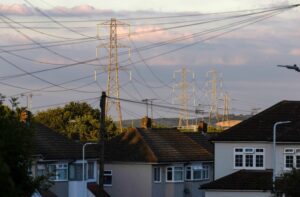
(245, 58)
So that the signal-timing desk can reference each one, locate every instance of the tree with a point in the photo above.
(15, 156)
(14, 102)
(289, 183)
(76, 120)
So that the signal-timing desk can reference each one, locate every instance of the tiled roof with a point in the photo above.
(260, 180)
(203, 140)
(260, 126)
(54, 146)
(156, 145)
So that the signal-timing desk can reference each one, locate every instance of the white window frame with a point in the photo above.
(173, 174)
(251, 151)
(159, 169)
(204, 170)
(108, 174)
(58, 166)
(294, 152)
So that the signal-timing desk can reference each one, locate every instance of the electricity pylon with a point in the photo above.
(226, 107)
(213, 112)
(112, 69)
(184, 96)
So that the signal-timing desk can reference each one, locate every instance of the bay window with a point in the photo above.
(196, 172)
(58, 172)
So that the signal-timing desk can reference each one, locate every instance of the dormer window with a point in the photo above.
(249, 158)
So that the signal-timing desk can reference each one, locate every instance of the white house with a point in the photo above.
(244, 156)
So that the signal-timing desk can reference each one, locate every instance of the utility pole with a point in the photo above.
(113, 84)
(101, 141)
(184, 96)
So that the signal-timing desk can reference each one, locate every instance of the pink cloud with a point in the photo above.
(15, 9)
(295, 52)
(158, 34)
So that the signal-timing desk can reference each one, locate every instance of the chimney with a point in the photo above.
(202, 127)
(146, 122)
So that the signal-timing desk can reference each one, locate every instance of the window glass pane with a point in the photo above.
(238, 161)
(238, 150)
(61, 174)
(259, 150)
(205, 172)
(107, 177)
(259, 161)
(298, 161)
(289, 161)
(91, 174)
(52, 172)
(249, 150)
(157, 174)
(178, 175)
(188, 173)
(249, 161)
(75, 172)
(197, 174)
(169, 174)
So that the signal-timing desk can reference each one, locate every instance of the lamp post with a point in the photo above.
(83, 155)
(274, 149)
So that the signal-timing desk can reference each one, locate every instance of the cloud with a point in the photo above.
(295, 52)
(15, 9)
(270, 51)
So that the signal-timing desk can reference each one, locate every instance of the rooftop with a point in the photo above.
(156, 145)
(260, 126)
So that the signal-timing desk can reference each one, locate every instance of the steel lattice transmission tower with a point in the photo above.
(184, 96)
(213, 112)
(112, 68)
(226, 107)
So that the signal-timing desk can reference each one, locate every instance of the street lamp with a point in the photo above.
(83, 154)
(274, 149)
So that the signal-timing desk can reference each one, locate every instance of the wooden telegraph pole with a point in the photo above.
(101, 141)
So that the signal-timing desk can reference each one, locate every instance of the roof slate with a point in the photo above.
(54, 146)
(156, 145)
(259, 180)
(260, 126)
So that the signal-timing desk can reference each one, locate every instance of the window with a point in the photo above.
(174, 174)
(41, 170)
(239, 161)
(75, 172)
(291, 158)
(90, 170)
(157, 174)
(196, 172)
(249, 158)
(58, 172)
(107, 178)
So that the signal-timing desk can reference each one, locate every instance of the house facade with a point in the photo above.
(244, 156)
(157, 163)
(60, 159)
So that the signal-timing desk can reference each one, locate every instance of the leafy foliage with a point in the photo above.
(289, 184)
(76, 120)
(15, 154)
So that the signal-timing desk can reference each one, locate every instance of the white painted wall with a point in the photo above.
(236, 194)
(130, 180)
(224, 156)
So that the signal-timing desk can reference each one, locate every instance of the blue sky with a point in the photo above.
(247, 57)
